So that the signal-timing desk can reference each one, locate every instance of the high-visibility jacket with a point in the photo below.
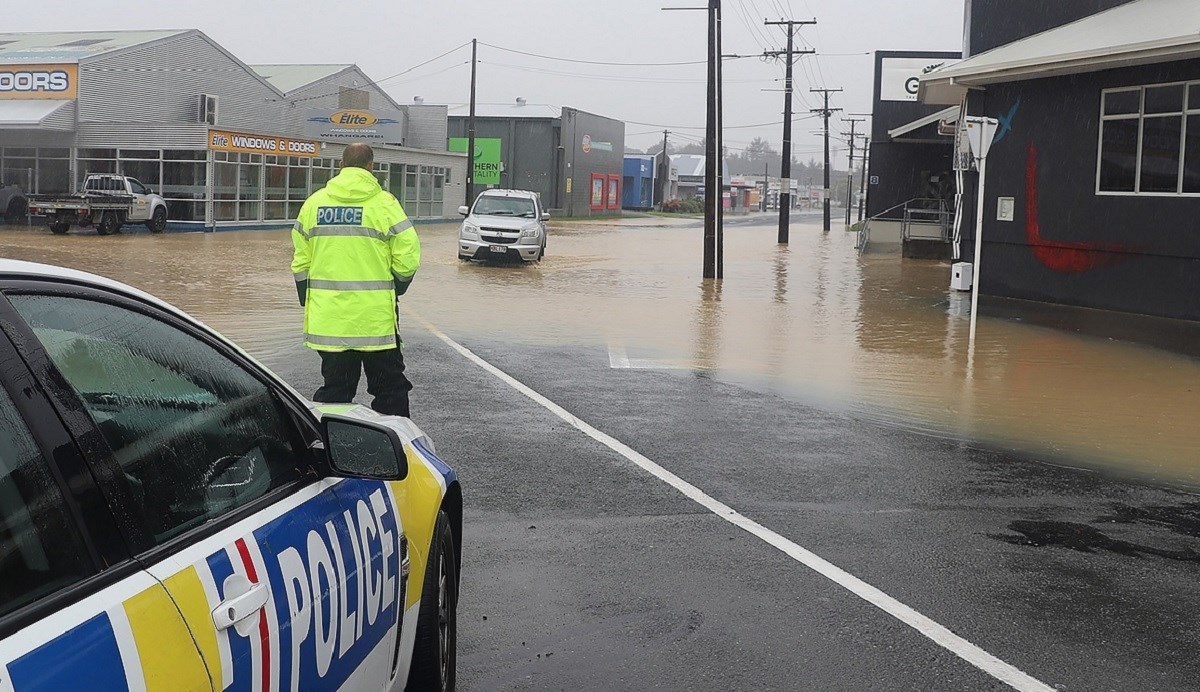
(355, 249)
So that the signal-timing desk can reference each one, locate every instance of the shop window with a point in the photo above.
(599, 190)
(185, 155)
(140, 154)
(148, 172)
(53, 176)
(322, 173)
(183, 180)
(248, 211)
(185, 211)
(396, 180)
(614, 192)
(1149, 143)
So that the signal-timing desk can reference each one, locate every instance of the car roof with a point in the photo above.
(19, 269)
(509, 193)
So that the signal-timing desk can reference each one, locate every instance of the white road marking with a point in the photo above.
(618, 358)
(938, 633)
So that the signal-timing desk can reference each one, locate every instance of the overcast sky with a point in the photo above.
(388, 37)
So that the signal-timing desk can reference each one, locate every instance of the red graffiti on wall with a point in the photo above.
(1060, 256)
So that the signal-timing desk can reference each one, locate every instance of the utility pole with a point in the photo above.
(825, 113)
(766, 183)
(862, 186)
(712, 165)
(785, 171)
(664, 172)
(713, 180)
(471, 129)
(850, 171)
(720, 146)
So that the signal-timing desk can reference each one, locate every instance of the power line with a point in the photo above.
(385, 79)
(600, 62)
(611, 78)
(727, 127)
(434, 74)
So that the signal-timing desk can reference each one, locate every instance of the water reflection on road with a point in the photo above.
(876, 335)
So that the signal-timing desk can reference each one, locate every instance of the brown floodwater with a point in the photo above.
(876, 335)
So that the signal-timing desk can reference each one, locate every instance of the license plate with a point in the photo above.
(499, 249)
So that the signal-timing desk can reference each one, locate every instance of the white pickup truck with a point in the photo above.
(108, 201)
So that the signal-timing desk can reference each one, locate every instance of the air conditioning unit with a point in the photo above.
(207, 111)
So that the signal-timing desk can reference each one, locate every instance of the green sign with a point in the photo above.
(487, 158)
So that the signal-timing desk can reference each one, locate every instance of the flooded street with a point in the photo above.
(877, 336)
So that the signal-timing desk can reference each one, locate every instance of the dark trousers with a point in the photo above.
(385, 379)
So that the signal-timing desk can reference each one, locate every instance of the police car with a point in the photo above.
(175, 517)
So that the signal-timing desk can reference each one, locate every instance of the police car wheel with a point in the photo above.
(434, 653)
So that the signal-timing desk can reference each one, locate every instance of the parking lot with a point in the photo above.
(784, 482)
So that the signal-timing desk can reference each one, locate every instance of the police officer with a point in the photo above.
(355, 251)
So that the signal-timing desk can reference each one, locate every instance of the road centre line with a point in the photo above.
(938, 633)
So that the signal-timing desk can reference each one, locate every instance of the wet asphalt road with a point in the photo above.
(583, 572)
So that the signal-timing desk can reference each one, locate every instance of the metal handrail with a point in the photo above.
(908, 207)
(917, 216)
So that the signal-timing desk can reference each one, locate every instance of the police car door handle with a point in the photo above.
(238, 610)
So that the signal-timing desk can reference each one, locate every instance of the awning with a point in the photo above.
(1141, 32)
(949, 115)
(37, 114)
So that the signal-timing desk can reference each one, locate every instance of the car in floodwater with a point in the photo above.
(175, 516)
(503, 224)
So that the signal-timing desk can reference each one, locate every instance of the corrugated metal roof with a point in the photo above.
(71, 46)
(1137, 33)
(506, 110)
(288, 78)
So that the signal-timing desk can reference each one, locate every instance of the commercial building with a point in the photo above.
(691, 168)
(572, 158)
(638, 183)
(228, 145)
(911, 163)
(1093, 176)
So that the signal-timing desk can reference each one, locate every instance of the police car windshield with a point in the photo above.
(505, 206)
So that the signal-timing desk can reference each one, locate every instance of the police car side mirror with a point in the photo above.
(361, 449)
(464, 210)
(545, 216)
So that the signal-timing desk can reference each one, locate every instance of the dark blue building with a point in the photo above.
(1093, 178)
(639, 182)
